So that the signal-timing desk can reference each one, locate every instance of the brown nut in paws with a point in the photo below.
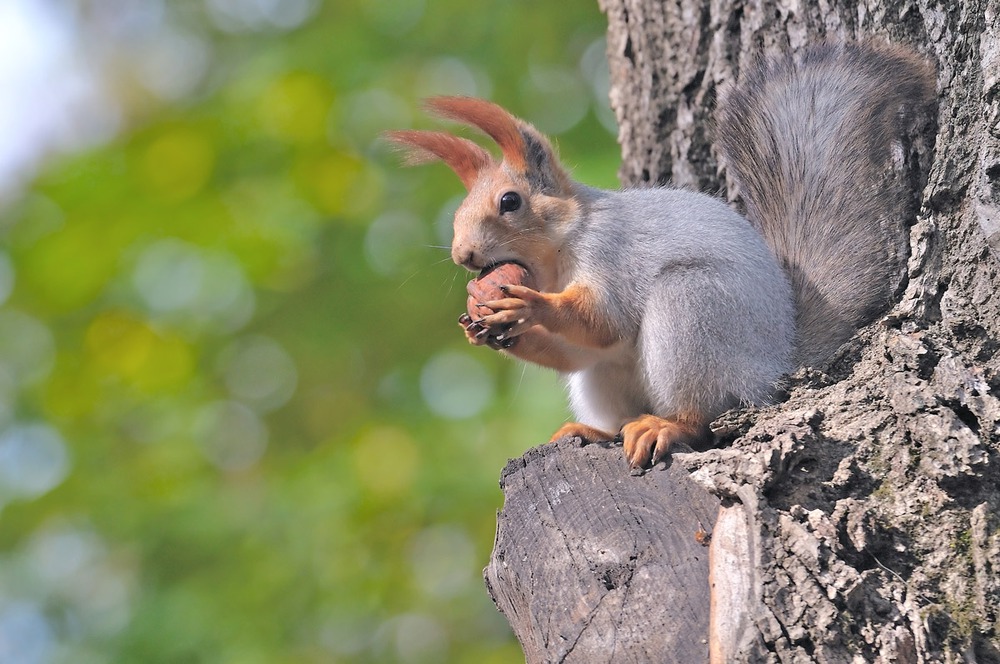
(487, 285)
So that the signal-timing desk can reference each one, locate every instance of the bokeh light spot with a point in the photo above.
(294, 108)
(68, 268)
(169, 275)
(33, 460)
(60, 554)
(418, 638)
(394, 17)
(451, 76)
(26, 637)
(396, 242)
(178, 163)
(442, 558)
(366, 115)
(75, 566)
(556, 98)
(168, 366)
(27, 349)
(231, 435)
(173, 63)
(128, 348)
(31, 218)
(386, 460)
(6, 277)
(72, 390)
(226, 300)
(444, 223)
(455, 385)
(259, 15)
(184, 283)
(341, 183)
(594, 69)
(9, 389)
(347, 634)
(258, 372)
(119, 343)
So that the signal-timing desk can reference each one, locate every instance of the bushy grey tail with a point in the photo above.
(814, 148)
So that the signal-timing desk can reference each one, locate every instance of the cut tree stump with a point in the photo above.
(615, 559)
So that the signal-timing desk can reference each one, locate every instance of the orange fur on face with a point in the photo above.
(531, 236)
(525, 236)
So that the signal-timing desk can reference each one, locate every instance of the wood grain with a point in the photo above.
(594, 564)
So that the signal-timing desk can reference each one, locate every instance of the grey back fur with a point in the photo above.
(704, 307)
(814, 147)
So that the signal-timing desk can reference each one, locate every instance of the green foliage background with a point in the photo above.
(232, 339)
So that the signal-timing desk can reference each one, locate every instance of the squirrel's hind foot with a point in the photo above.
(648, 438)
(586, 433)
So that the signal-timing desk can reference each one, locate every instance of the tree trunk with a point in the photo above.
(857, 520)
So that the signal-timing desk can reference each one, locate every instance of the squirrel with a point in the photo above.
(663, 308)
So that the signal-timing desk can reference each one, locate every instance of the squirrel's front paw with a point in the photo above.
(522, 308)
(480, 335)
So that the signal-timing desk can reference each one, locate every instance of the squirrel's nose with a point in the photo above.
(466, 258)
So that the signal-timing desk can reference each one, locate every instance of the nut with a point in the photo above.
(487, 285)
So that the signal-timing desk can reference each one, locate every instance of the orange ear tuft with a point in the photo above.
(463, 156)
(498, 124)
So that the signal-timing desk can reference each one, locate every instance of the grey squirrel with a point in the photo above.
(663, 308)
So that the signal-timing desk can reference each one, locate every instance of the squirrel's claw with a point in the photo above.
(522, 292)
(474, 330)
(639, 443)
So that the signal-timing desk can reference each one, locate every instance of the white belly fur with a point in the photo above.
(609, 393)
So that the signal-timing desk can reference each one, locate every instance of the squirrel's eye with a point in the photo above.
(510, 201)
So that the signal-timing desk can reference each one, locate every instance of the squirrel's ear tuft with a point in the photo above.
(497, 123)
(524, 148)
(463, 156)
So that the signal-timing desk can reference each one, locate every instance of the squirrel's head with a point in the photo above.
(517, 208)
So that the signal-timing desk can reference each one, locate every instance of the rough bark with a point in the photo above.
(859, 518)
